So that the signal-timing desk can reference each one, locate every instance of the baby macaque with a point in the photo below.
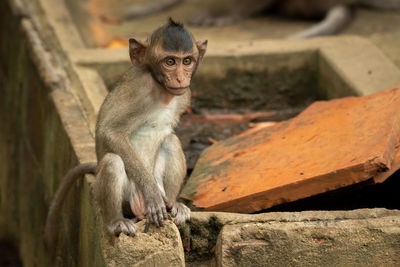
(140, 159)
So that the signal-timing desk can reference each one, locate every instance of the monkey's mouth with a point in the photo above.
(177, 90)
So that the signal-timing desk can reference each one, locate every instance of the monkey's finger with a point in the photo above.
(124, 228)
(149, 215)
(160, 217)
(157, 220)
(164, 212)
(153, 216)
(118, 230)
(157, 216)
(131, 228)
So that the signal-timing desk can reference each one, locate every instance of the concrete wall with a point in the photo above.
(35, 151)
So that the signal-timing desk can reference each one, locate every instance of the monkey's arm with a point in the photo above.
(143, 179)
(53, 217)
(336, 18)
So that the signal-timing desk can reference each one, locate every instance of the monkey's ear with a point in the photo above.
(202, 47)
(137, 51)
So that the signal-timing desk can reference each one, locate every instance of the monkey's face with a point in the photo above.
(175, 70)
(173, 67)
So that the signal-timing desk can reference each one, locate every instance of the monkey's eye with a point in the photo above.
(170, 61)
(187, 61)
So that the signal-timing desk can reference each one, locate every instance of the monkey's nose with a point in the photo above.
(179, 79)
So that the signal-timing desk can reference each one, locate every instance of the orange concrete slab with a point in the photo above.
(331, 144)
(381, 177)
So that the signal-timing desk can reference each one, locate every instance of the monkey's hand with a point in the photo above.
(156, 210)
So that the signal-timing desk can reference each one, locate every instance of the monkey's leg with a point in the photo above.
(169, 171)
(110, 189)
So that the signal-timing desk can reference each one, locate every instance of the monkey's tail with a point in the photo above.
(148, 8)
(336, 18)
(53, 217)
(381, 4)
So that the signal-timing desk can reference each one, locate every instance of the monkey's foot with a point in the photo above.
(181, 213)
(125, 226)
(208, 20)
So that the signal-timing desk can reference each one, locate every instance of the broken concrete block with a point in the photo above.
(331, 144)
(371, 242)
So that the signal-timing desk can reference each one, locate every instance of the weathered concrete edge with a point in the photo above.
(61, 23)
(204, 228)
(351, 242)
(91, 91)
(361, 65)
(54, 76)
(67, 37)
(235, 218)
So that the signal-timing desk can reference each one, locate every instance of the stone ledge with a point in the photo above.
(205, 228)
(226, 218)
(368, 242)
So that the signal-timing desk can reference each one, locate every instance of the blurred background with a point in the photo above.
(105, 23)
